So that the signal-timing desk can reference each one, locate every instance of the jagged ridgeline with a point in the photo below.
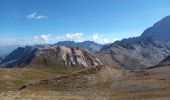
(88, 45)
(145, 51)
(160, 30)
(51, 56)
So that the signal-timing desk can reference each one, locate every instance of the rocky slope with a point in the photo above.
(145, 51)
(52, 56)
(79, 79)
(138, 53)
(165, 62)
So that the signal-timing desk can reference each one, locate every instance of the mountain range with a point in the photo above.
(88, 45)
(145, 51)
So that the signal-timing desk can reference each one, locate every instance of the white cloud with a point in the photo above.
(99, 38)
(42, 38)
(34, 15)
(115, 39)
(79, 37)
(71, 37)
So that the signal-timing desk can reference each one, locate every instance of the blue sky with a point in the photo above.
(103, 21)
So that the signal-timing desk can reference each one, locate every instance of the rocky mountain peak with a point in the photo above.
(160, 30)
(70, 56)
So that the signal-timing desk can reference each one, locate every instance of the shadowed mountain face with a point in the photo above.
(88, 45)
(160, 30)
(1, 59)
(52, 56)
(164, 62)
(19, 57)
(6, 49)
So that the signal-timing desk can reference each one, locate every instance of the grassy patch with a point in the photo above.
(12, 79)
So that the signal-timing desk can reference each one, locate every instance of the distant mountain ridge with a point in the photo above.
(88, 45)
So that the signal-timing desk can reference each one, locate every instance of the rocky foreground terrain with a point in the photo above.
(100, 83)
